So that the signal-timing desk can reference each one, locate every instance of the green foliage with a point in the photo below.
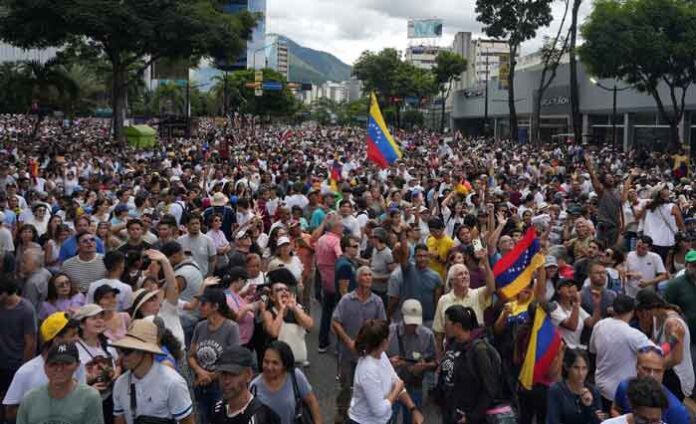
(413, 118)
(515, 20)
(644, 43)
(449, 67)
(325, 111)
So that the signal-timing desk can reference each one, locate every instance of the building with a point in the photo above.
(354, 89)
(489, 55)
(277, 54)
(638, 124)
(255, 57)
(10, 53)
(423, 56)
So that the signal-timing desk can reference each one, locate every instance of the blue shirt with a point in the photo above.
(345, 270)
(675, 413)
(69, 248)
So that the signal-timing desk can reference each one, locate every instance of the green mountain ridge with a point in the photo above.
(314, 66)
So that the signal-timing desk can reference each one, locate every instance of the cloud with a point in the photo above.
(346, 28)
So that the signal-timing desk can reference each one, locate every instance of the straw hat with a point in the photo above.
(219, 199)
(141, 336)
(140, 297)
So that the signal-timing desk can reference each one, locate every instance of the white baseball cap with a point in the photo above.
(412, 312)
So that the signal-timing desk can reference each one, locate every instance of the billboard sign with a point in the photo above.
(425, 28)
(170, 69)
(503, 71)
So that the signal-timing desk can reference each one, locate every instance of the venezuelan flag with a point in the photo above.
(335, 175)
(381, 147)
(514, 271)
(544, 344)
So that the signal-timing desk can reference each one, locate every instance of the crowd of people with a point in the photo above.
(177, 284)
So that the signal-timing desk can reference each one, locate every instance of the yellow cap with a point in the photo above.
(53, 325)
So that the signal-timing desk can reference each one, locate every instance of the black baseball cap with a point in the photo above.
(102, 291)
(234, 360)
(63, 353)
(215, 296)
(648, 299)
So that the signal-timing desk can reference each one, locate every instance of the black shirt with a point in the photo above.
(255, 413)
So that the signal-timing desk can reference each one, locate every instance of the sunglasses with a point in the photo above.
(88, 240)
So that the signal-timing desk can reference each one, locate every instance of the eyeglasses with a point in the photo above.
(651, 349)
(354, 246)
(88, 240)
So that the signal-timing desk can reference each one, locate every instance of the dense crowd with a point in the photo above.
(175, 284)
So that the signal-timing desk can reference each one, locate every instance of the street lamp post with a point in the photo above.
(615, 89)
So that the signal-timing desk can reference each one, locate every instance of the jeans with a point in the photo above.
(327, 308)
(206, 397)
(346, 372)
(416, 397)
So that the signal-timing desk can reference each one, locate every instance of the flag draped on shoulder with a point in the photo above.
(381, 147)
(514, 271)
(544, 344)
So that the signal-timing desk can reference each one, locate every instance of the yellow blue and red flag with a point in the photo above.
(544, 344)
(514, 271)
(381, 147)
(335, 175)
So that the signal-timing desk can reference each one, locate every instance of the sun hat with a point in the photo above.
(142, 336)
(412, 312)
(219, 199)
(88, 311)
(140, 297)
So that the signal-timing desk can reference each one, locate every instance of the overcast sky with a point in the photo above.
(346, 28)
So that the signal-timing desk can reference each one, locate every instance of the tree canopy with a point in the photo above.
(646, 43)
(449, 67)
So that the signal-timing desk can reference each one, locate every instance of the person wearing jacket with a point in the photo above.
(573, 400)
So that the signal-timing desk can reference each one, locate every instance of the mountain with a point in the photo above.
(314, 66)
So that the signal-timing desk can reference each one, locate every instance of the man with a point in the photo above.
(156, 390)
(651, 364)
(35, 277)
(439, 245)
(681, 291)
(320, 213)
(63, 399)
(350, 222)
(6, 239)
(303, 245)
(616, 344)
(167, 231)
(596, 294)
(148, 236)
(381, 264)
(238, 405)
(135, 242)
(173, 206)
(200, 245)
(88, 266)
(56, 329)
(643, 267)
(328, 250)
(346, 266)
(647, 400)
(351, 313)
(412, 352)
(189, 279)
(414, 281)
(115, 264)
(477, 299)
(17, 333)
(70, 246)
(609, 214)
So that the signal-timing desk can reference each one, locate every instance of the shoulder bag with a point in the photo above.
(302, 413)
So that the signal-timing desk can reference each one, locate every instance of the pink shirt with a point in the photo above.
(327, 252)
(246, 324)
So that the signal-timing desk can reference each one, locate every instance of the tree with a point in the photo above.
(127, 32)
(646, 43)
(517, 21)
(449, 67)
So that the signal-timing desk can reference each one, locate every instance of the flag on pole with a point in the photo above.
(544, 344)
(381, 147)
(514, 271)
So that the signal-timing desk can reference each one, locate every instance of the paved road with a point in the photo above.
(322, 375)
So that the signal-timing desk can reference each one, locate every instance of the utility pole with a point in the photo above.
(485, 107)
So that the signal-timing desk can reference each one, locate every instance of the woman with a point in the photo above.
(569, 316)
(631, 206)
(62, 296)
(51, 230)
(28, 239)
(101, 211)
(170, 345)
(255, 276)
(100, 359)
(53, 245)
(242, 312)
(662, 220)
(573, 400)
(376, 386)
(284, 257)
(39, 218)
(284, 319)
(210, 338)
(222, 245)
(116, 322)
(111, 242)
(280, 386)
(676, 259)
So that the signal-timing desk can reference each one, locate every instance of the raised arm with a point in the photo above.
(596, 185)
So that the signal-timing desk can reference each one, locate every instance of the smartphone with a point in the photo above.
(477, 244)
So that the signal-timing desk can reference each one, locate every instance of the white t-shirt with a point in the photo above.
(32, 375)
(616, 345)
(374, 379)
(621, 419)
(649, 266)
(571, 338)
(170, 316)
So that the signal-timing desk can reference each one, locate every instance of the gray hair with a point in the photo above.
(453, 269)
(362, 270)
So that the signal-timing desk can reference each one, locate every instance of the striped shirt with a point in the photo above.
(83, 273)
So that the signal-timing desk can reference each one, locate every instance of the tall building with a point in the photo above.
(488, 56)
(423, 56)
(464, 47)
(277, 54)
(255, 57)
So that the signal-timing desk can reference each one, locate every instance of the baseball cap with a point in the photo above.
(282, 240)
(234, 360)
(102, 291)
(120, 209)
(63, 353)
(564, 282)
(550, 261)
(88, 311)
(215, 296)
(53, 325)
(648, 299)
(380, 234)
(412, 312)
(691, 256)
